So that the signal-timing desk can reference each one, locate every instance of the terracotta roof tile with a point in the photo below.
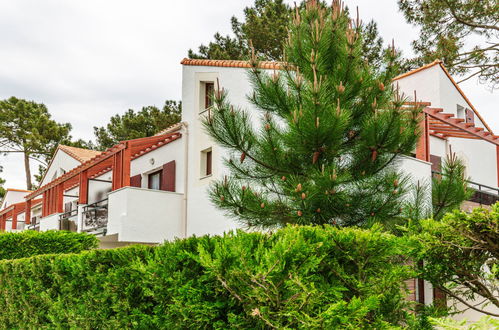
(170, 129)
(18, 190)
(80, 154)
(231, 63)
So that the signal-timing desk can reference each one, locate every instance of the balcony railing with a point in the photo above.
(95, 216)
(68, 220)
(35, 224)
(482, 194)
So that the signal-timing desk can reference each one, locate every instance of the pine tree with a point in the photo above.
(26, 127)
(449, 189)
(331, 129)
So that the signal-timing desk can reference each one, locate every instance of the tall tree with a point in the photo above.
(265, 27)
(463, 33)
(26, 127)
(133, 125)
(2, 182)
(331, 129)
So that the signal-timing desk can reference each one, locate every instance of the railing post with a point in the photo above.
(423, 145)
(83, 188)
(27, 213)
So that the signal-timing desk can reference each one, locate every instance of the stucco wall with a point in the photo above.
(12, 197)
(142, 215)
(60, 160)
(203, 217)
(50, 223)
(480, 159)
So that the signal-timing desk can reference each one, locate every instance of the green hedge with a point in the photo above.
(298, 277)
(30, 243)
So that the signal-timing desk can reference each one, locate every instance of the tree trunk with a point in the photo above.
(29, 185)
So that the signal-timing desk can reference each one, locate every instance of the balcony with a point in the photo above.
(95, 217)
(69, 220)
(139, 215)
(35, 224)
(483, 195)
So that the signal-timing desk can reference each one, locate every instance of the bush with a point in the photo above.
(30, 243)
(300, 277)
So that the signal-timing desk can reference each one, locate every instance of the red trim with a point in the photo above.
(444, 124)
(423, 146)
(497, 157)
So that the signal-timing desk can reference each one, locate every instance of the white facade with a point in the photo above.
(60, 164)
(12, 196)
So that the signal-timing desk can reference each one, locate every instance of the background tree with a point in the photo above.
(2, 182)
(331, 130)
(26, 127)
(463, 33)
(266, 25)
(133, 125)
(461, 256)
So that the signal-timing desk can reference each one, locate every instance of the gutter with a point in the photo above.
(186, 178)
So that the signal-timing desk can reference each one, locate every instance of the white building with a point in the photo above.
(154, 189)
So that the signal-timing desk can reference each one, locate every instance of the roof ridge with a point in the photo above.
(421, 68)
(232, 63)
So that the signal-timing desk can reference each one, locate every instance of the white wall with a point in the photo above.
(438, 147)
(12, 197)
(202, 216)
(144, 216)
(419, 171)
(98, 190)
(433, 85)
(50, 223)
(61, 160)
(480, 158)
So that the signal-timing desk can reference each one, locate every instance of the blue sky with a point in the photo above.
(88, 60)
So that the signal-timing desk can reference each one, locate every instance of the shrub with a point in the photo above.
(300, 277)
(461, 257)
(30, 243)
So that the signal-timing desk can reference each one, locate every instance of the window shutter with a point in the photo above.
(136, 181)
(436, 163)
(168, 177)
(470, 116)
(68, 207)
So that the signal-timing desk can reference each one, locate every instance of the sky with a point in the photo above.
(88, 60)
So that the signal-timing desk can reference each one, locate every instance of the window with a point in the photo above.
(460, 111)
(206, 163)
(209, 89)
(155, 180)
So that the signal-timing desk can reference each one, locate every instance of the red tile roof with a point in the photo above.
(232, 63)
(80, 154)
